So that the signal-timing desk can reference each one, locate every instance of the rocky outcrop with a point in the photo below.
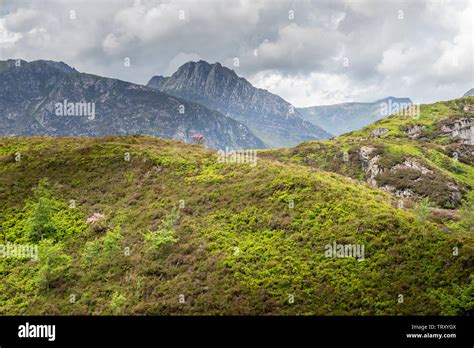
(370, 164)
(378, 132)
(461, 128)
(413, 164)
(414, 132)
(408, 179)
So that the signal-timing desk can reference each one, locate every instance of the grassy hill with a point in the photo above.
(412, 155)
(139, 225)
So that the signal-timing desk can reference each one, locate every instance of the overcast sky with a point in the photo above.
(309, 52)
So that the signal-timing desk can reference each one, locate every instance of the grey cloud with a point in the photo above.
(426, 55)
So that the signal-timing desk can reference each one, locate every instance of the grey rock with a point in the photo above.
(461, 128)
(414, 131)
(469, 93)
(30, 93)
(270, 117)
(378, 132)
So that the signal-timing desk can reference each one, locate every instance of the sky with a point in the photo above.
(312, 52)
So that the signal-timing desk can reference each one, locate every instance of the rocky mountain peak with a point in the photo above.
(269, 116)
(31, 92)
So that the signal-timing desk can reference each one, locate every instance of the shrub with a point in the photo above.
(53, 264)
(157, 240)
(422, 209)
(117, 304)
(112, 243)
(39, 223)
(102, 251)
(466, 212)
(90, 254)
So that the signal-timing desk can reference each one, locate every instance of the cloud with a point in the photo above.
(325, 52)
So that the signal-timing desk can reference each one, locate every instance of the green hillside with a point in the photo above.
(414, 155)
(139, 225)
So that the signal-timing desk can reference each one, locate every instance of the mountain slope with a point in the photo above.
(175, 231)
(271, 118)
(429, 155)
(346, 117)
(469, 93)
(30, 94)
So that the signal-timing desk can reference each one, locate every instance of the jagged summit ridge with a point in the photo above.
(31, 91)
(270, 117)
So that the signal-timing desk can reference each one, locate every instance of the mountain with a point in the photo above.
(346, 117)
(36, 98)
(270, 118)
(422, 154)
(175, 231)
(469, 93)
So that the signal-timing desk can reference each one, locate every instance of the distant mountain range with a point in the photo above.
(53, 99)
(270, 117)
(346, 117)
(430, 156)
(469, 93)
(44, 97)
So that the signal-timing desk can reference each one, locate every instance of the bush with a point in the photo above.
(422, 209)
(117, 304)
(102, 251)
(39, 223)
(112, 243)
(53, 264)
(466, 212)
(157, 240)
(90, 254)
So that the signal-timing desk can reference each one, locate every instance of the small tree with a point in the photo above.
(39, 213)
(112, 243)
(53, 264)
(117, 303)
(157, 240)
(467, 213)
(422, 209)
(102, 251)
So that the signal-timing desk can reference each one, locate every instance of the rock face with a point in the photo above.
(469, 93)
(370, 164)
(379, 132)
(30, 95)
(346, 117)
(407, 179)
(156, 82)
(462, 128)
(271, 118)
(414, 132)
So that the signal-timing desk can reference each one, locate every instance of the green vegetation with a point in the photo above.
(39, 221)
(53, 265)
(134, 225)
(422, 209)
(420, 139)
(171, 222)
(157, 240)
